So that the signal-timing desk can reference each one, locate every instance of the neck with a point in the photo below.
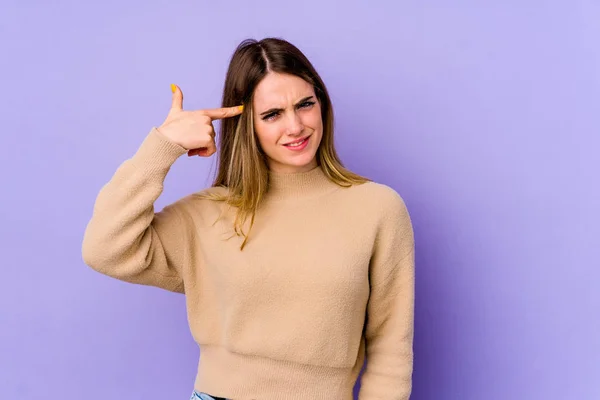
(299, 184)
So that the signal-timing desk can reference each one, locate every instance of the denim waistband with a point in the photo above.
(203, 396)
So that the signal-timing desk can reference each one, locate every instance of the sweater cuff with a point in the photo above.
(157, 154)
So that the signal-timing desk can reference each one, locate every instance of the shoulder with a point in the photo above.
(390, 214)
(380, 197)
(208, 193)
(202, 202)
(383, 206)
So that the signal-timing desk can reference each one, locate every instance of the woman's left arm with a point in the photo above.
(390, 311)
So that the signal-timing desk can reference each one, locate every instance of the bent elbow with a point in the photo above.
(96, 250)
(91, 254)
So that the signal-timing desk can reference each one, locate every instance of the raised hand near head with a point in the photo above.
(193, 130)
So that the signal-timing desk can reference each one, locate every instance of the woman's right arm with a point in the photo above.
(125, 238)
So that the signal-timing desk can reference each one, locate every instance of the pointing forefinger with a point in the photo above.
(226, 112)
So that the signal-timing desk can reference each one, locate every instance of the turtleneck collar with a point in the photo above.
(299, 184)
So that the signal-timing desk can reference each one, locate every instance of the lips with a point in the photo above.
(297, 142)
(298, 145)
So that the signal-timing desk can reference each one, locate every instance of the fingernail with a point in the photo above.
(241, 108)
(173, 87)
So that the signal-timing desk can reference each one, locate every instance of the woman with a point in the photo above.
(294, 268)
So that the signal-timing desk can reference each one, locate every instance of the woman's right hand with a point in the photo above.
(193, 130)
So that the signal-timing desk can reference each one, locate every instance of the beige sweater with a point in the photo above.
(326, 279)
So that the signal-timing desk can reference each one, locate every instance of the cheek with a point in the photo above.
(267, 134)
(314, 120)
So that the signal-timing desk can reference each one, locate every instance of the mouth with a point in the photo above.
(297, 144)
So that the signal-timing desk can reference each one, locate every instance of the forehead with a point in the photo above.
(280, 89)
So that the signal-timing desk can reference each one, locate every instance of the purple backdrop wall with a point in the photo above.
(485, 117)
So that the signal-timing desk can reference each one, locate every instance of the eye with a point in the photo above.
(270, 116)
(306, 104)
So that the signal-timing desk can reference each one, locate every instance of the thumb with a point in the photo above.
(177, 98)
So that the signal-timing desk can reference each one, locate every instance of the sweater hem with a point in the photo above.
(236, 376)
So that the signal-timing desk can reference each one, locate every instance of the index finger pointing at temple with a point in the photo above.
(226, 112)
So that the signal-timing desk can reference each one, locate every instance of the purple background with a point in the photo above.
(485, 116)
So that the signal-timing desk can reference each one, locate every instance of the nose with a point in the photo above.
(294, 124)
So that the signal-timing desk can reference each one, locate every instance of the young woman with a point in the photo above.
(294, 269)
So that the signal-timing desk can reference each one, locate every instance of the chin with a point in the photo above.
(296, 160)
(296, 164)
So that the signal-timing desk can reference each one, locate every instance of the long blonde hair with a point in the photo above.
(242, 164)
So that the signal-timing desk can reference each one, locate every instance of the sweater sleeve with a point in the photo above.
(390, 311)
(125, 239)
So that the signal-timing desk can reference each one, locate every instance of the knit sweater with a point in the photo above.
(325, 279)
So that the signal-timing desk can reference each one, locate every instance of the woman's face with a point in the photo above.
(287, 122)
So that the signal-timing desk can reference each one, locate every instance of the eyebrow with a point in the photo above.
(272, 110)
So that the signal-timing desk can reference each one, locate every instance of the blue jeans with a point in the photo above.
(204, 396)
